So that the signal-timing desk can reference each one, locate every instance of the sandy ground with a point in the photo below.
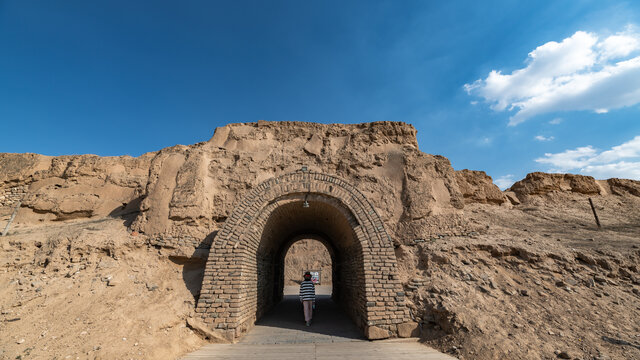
(83, 290)
(540, 281)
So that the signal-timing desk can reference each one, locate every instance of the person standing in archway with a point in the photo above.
(307, 297)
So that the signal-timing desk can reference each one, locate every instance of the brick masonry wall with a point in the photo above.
(236, 288)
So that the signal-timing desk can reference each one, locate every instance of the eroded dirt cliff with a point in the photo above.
(192, 189)
(71, 187)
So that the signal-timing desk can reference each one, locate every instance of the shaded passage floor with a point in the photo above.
(281, 334)
(284, 324)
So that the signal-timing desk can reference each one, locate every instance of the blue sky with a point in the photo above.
(507, 87)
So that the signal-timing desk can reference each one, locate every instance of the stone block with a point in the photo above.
(376, 333)
(204, 330)
(408, 329)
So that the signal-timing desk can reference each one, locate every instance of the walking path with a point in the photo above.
(284, 324)
(281, 334)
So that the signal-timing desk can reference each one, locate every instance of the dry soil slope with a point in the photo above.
(540, 280)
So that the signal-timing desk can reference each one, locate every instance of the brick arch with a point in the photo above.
(346, 243)
(236, 286)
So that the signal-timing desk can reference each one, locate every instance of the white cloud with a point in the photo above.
(620, 161)
(628, 150)
(556, 121)
(504, 182)
(582, 72)
(569, 159)
(543, 138)
(619, 45)
(622, 169)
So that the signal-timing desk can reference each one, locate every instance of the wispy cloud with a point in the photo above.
(543, 138)
(556, 121)
(504, 182)
(583, 72)
(620, 161)
(483, 141)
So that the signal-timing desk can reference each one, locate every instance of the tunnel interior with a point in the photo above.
(325, 220)
(307, 252)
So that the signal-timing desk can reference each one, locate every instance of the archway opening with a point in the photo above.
(324, 220)
(308, 253)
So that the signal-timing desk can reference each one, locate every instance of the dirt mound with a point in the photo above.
(538, 183)
(478, 187)
(89, 289)
(624, 187)
(481, 301)
(183, 194)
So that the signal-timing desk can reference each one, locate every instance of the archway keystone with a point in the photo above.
(241, 273)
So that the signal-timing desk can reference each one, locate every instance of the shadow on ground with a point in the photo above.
(284, 324)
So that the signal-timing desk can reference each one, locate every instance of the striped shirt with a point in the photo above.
(307, 290)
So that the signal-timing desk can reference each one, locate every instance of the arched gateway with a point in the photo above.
(244, 272)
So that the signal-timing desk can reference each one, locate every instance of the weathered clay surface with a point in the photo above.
(538, 183)
(185, 193)
(478, 187)
(68, 187)
(624, 187)
(192, 189)
(409, 329)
